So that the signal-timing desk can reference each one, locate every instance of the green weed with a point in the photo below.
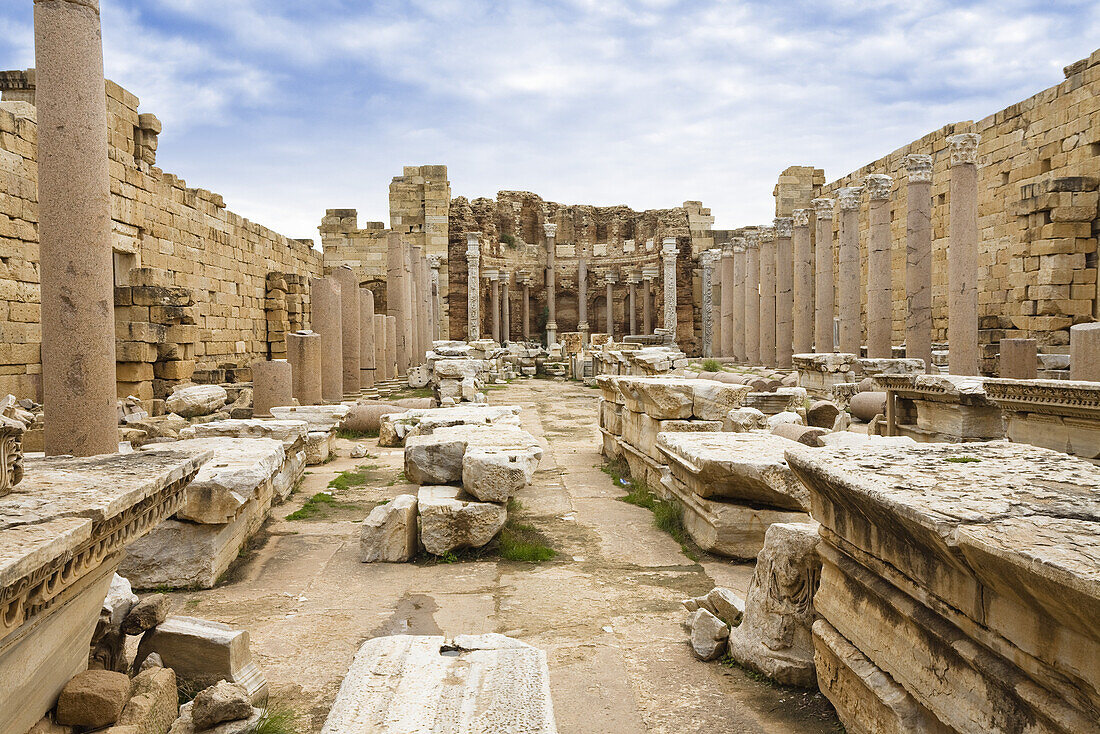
(962, 459)
(712, 365)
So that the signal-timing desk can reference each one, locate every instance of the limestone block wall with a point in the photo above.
(158, 221)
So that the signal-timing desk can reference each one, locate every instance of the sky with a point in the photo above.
(288, 108)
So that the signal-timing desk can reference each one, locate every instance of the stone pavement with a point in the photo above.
(606, 610)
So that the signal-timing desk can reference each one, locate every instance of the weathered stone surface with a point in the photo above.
(93, 699)
(389, 534)
(202, 652)
(154, 702)
(866, 405)
(727, 606)
(774, 638)
(641, 431)
(289, 433)
(494, 475)
(708, 635)
(478, 683)
(146, 614)
(319, 417)
(319, 446)
(786, 417)
(713, 401)
(744, 419)
(1063, 415)
(395, 427)
(805, 435)
(436, 458)
(195, 400)
(185, 725)
(452, 520)
(672, 398)
(822, 414)
(744, 466)
(220, 702)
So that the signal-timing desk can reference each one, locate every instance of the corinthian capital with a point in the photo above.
(752, 239)
(964, 148)
(919, 167)
(878, 186)
(473, 244)
(848, 197)
(823, 208)
(800, 218)
(551, 230)
(783, 226)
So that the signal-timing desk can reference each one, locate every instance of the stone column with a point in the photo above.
(1019, 359)
(918, 259)
(424, 307)
(272, 386)
(551, 231)
(349, 326)
(326, 307)
(74, 231)
(716, 304)
(303, 352)
(649, 277)
(582, 295)
(381, 358)
(725, 305)
(784, 292)
(752, 297)
(803, 289)
(962, 256)
(848, 270)
(506, 303)
(494, 302)
(525, 305)
(367, 362)
(609, 312)
(473, 286)
(668, 257)
(391, 347)
(706, 260)
(880, 294)
(737, 323)
(412, 293)
(434, 263)
(1084, 352)
(824, 289)
(632, 302)
(397, 299)
(767, 296)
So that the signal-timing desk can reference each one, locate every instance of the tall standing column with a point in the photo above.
(784, 293)
(551, 231)
(397, 299)
(848, 270)
(737, 323)
(473, 286)
(632, 302)
(303, 351)
(649, 276)
(434, 263)
(725, 307)
(962, 256)
(412, 297)
(707, 259)
(391, 347)
(506, 320)
(424, 307)
(609, 311)
(668, 257)
(752, 297)
(767, 296)
(880, 296)
(367, 361)
(582, 295)
(349, 327)
(803, 288)
(326, 308)
(824, 287)
(74, 231)
(918, 259)
(525, 304)
(380, 358)
(494, 303)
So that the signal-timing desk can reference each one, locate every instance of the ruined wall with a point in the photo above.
(158, 222)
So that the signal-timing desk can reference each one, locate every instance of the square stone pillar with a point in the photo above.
(824, 286)
(473, 286)
(668, 258)
(767, 296)
(326, 309)
(1084, 352)
(349, 326)
(1019, 359)
(848, 270)
(962, 256)
(752, 297)
(740, 265)
(784, 293)
(367, 360)
(272, 386)
(880, 294)
(74, 231)
(918, 259)
(803, 296)
(551, 231)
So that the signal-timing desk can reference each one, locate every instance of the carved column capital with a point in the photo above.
(848, 197)
(435, 261)
(783, 226)
(878, 186)
(964, 148)
(823, 208)
(668, 247)
(919, 167)
(800, 218)
(551, 230)
(752, 240)
(767, 235)
(473, 245)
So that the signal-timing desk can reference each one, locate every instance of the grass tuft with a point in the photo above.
(962, 459)
(712, 365)
(313, 507)
(275, 720)
(355, 435)
(667, 514)
(352, 477)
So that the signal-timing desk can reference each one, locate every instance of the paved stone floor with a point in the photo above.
(606, 610)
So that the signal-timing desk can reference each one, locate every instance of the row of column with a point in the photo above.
(779, 294)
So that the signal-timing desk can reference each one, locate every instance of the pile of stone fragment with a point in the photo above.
(207, 664)
(468, 461)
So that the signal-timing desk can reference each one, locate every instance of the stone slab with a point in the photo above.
(290, 433)
(395, 427)
(319, 417)
(436, 458)
(452, 520)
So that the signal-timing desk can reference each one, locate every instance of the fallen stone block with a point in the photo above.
(394, 428)
(290, 433)
(436, 458)
(319, 417)
(494, 475)
(319, 445)
(154, 702)
(389, 534)
(744, 419)
(786, 417)
(196, 400)
(186, 725)
(452, 520)
(727, 606)
(146, 614)
(822, 414)
(805, 435)
(93, 699)
(219, 703)
(708, 635)
(478, 683)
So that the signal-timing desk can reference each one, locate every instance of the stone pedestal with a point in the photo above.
(272, 386)
(349, 326)
(803, 287)
(767, 296)
(326, 305)
(303, 353)
(848, 269)
(473, 286)
(382, 358)
(74, 231)
(737, 325)
(824, 287)
(1019, 359)
(726, 308)
(397, 299)
(551, 231)
(784, 293)
(918, 259)
(367, 361)
(1084, 352)
(880, 301)
(668, 258)
(962, 256)
(752, 298)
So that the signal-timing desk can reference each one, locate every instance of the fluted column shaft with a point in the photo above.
(752, 298)
(918, 259)
(397, 299)
(880, 297)
(726, 307)
(668, 257)
(737, 325)
(848, 270)
(784, 293)
(803, 296)
(633, 305)
(824, 289)
(962, 256)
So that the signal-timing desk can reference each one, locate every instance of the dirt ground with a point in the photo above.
(606, 609)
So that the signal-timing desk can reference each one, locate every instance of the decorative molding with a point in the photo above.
(919, 167)
(964, 148)
(849, 197)
(878, 186)
(784, 227)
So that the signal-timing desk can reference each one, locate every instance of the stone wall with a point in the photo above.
(158, 222)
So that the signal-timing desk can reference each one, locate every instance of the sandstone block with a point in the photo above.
(451, 520)
(389, 534)
(712, 401)
(146, 614)
(219, 703)
(195, 400)
(822, 414)
(494, 475)
(153, 704)
(744, 419)
(93, 699)
(436, 458)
